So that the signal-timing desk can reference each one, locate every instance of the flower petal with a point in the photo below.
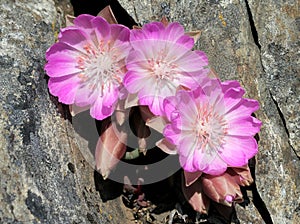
(62, 65)
(64, 87)
(237, 150)
(75, 37)
(244, 108)
(84, 21)
(99, 111)
(246, 126)
(102, 28)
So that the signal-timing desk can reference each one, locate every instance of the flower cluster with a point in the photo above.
(108, 68)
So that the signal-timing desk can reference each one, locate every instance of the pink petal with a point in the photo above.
(247, 126)
(171, 134)
(110, 95)
(100, 112)
(231, 98)
(132, 81)
(174, 31)
(136, 35)
(85, 95)
(244, 108)
(153, 30)
(64, 87)
(174, 52)
(101, 27)
(226, 85)
(62, 65)
(189, 144)
(202, 56)
(120, 33)
(237, 150)
(191, 62)
(84, 21)
(187, 108)
(186, 41)
(169, 106)
(74, 37)
(153, 102)
(208, 161)
(136, 61)
(62, 48)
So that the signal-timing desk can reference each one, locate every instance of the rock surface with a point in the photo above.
(258, 44)
(44, 177)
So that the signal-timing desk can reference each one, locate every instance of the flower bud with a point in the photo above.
(222, 189)
(110, 148)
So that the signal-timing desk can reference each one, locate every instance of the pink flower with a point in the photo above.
(212, 127)
(87, 65)
(161, 62)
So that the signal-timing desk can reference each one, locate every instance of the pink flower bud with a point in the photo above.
(195, 196)
(222, 189)
(110, 148)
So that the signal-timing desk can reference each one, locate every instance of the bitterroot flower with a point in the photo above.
(162, 62)
(212, 127)
(87, 64)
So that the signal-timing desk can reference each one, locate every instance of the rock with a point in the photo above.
(258, 44)
(278, 28)
(44, 177)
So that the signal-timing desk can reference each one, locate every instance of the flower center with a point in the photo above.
(161, 69)
(210, 127)
(100, 67)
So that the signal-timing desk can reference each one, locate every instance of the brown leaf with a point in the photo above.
(166, 146)
(190, 178)
(194, 34)
(108, 14)
(69, 20)
(164, 21)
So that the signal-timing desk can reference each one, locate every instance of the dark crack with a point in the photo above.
(252, 25)
(283, 122)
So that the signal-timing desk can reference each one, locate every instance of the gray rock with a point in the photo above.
(44, 177)
(256, 43)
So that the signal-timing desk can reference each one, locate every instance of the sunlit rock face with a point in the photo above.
(255, 43)
(44, 178)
